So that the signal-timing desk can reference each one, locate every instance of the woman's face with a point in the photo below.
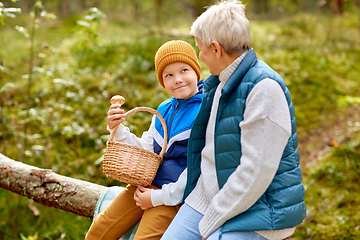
(207, 55)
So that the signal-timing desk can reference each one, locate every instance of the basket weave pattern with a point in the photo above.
(132, 164)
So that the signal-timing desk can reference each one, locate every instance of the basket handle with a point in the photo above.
(153, 111)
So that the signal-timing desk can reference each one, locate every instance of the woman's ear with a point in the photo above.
(217, 49)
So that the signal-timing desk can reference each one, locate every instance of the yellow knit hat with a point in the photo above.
(175, 51)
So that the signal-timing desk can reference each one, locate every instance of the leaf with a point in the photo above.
(23, 31)
(335, 143)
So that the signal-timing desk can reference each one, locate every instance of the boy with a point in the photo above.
(178, 71)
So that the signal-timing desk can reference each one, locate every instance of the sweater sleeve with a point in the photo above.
(265, 130)
(170, 194)
(124, 135)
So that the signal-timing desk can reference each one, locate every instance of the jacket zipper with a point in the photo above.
(169, 128)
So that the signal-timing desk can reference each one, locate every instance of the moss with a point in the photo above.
(332, 196)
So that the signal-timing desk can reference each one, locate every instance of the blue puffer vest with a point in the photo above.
(282, 205)
(179, 115)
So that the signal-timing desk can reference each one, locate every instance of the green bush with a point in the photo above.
(332, 190)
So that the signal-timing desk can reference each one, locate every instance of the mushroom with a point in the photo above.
(117, 99)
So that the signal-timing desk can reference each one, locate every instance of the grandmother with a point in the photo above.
(244, 178)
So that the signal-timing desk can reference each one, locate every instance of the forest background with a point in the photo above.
(61, 61)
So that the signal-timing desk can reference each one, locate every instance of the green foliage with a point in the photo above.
(66, 113)
(88, 40)
(332, 189)
(348, 100)
(317, 58)
(7, 13)
(28, 220)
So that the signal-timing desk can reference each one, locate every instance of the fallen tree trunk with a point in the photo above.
(49, 188)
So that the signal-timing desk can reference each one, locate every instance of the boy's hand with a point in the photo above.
(115, 115)
(142, 197)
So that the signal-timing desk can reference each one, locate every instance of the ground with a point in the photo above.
(318, 142)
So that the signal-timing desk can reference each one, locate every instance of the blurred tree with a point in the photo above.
(337, 6)
(66, 8)
(261, 7)
(158, 8)
(136, 5)
(198, 6)
(26, 6)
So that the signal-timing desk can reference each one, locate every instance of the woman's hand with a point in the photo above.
(142, 197)
(115, 115)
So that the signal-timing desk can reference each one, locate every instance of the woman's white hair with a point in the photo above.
(226, 24)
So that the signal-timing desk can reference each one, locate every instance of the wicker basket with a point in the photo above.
(132, 164)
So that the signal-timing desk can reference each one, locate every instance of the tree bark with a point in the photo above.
(158, 9)
(337, 7)
(49, 188)
(262, 7)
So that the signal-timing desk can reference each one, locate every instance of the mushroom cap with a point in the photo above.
(117, 99)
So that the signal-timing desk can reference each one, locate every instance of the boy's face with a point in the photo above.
(180, 80)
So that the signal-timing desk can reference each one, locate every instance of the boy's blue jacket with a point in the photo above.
(179, 115)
